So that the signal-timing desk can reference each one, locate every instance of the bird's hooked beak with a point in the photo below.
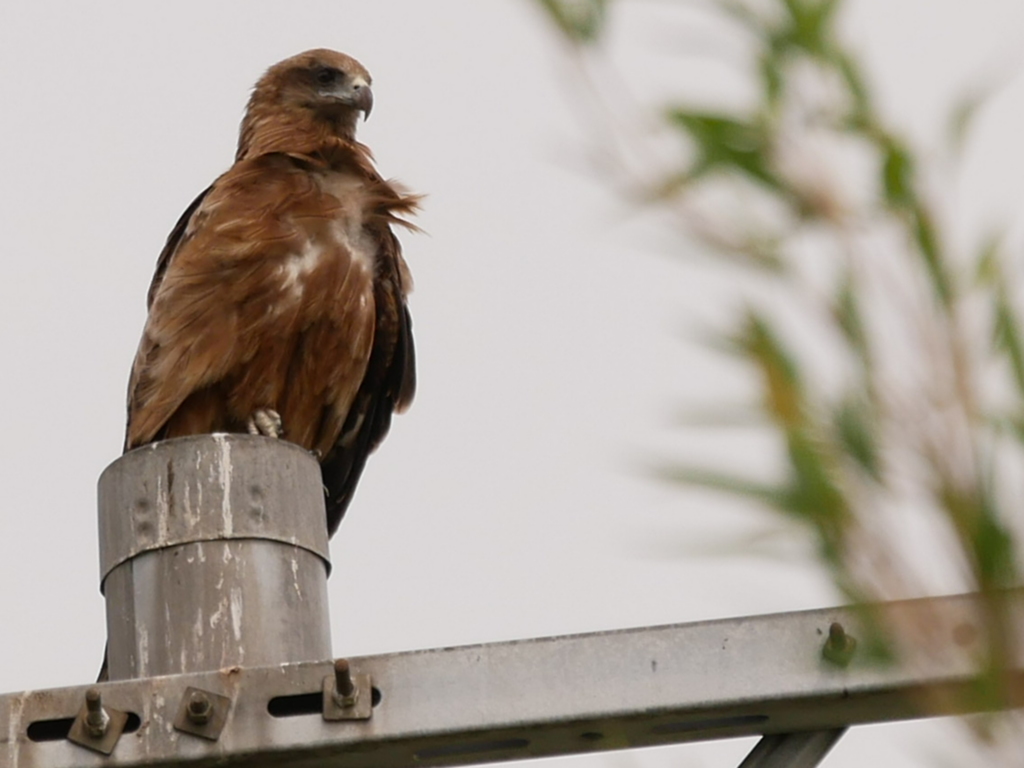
(359, 95)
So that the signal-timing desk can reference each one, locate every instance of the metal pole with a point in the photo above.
(213, 554)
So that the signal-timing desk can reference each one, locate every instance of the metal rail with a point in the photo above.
(777, 674)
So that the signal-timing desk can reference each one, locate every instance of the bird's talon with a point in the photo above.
(266, 422)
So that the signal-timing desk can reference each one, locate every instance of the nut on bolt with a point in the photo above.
(346, 694)
(345, 691)
(200, 708)
(840, 647)
(96, 719)
(202, 713)
(97, 727)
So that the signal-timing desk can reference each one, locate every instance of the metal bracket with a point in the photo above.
(347, 696)
(202, 713)
(97, 727)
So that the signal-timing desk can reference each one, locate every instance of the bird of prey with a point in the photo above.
(278, 306)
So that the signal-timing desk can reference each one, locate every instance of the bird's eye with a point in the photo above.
(326, 75)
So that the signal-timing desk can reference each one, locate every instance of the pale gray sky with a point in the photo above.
(511, 500)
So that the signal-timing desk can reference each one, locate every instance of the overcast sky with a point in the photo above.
(512, 500)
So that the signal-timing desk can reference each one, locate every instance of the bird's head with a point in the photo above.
(321, 87)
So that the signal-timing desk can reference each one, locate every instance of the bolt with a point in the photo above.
(96, 718)
(837, 635)
(199, 709)
(840, 647)
(345, 691)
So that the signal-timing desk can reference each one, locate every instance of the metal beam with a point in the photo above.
(533, 698)
(793, 750)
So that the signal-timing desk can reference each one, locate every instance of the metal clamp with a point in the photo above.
(347, 696)
(97, 727)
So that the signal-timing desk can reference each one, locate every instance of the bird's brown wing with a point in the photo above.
(259, 305)
(388, 387)
(174, 239)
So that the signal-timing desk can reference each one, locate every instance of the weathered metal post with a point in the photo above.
(213, 553)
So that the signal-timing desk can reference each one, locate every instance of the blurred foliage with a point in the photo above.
(580, 20)
(915, 422)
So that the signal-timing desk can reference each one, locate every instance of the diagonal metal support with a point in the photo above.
(793, 750)
(534, 698)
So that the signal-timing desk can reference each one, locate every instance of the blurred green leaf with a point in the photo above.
(966, 110)
(861, 116)
(811, 493)
(987, 270)
(901, 197)
(743, 13)
(897, 173)
(1007, 332)
(724, 143)
(962, 118)
(1007, 423)
(994, 545)
(772, 495)
(778, 52)
(857, 434)
(988, 543)
(927, 237)
(814, 495)
(582, 21)
(1006, 329)
(784, 397)
(809, 27)
(763, 253)
(772, 77)
(809, 496)
(848, 316)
